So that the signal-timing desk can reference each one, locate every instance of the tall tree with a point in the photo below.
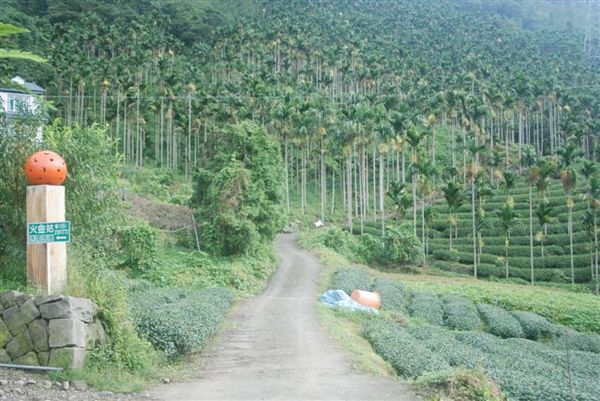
(569, 153)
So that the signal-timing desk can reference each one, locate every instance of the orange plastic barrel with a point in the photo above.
(366, 298)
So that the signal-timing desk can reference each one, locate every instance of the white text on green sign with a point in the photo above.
(43, 233)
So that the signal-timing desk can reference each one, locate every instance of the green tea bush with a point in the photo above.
(571, 339)
(393, 294)
(427, 307)
(534, 326)
(178, 322)
(350, 279)
(483, 341)
(500, 322)
(441, 342)
(460, 313)
(407, 355)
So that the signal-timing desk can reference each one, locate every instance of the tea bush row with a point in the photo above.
(350, 279)
(393, 294)
(521, 240)
(460, 313)
(427, 307)
(176, 321)
(524, 369)
(528, 370)
(534, 326)
(406, 354)
(500, 322)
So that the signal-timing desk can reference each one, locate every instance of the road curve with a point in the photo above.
(277, 349)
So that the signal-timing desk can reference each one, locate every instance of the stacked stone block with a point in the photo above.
(47, 330)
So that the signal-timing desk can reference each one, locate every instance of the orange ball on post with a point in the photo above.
(45, 168)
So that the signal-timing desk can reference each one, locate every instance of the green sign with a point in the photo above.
(43, 233)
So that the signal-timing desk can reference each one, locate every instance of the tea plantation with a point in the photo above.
(555, 264)
(527, 355)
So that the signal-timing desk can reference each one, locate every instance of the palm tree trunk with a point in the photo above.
(531, 236)
(596, 254)
(571, 240)
(423, 222)
(450, 230)
(473, 228)
(323, 183)
(349, 190)
(506, 239)
(414, 195)
(381, 194)
(332, 192)
(286, 171)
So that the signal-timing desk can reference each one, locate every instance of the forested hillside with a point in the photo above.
(372, 103)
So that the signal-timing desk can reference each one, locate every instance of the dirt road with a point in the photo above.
(277, 349)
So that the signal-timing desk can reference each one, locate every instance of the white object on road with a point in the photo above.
(319, 223)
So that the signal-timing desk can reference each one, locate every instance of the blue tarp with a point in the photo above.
(339, 299)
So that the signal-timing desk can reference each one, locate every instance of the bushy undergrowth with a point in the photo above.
(427, 307)
(460, 385)
(176, 321)
(398, 247)
(460, 313)
(239, 194)
(500, 322)
(406, 354)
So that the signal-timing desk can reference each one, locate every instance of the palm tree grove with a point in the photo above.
(300, 199)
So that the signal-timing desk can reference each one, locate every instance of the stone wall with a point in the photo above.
(47, 330)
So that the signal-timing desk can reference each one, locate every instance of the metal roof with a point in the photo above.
(30, 86)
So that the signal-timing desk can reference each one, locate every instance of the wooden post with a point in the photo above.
(46, 263)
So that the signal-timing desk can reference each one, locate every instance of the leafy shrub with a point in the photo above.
(401, 246)
(534, 326)
(461, 384)
(239, 192)
(350, 279)
(139, 244)
(369, 248)
(339, 240)
(500, 322)
(179, 322)
(407, 355)
(427, 307)
(460, 313)
(451, 255)
(393, 294)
